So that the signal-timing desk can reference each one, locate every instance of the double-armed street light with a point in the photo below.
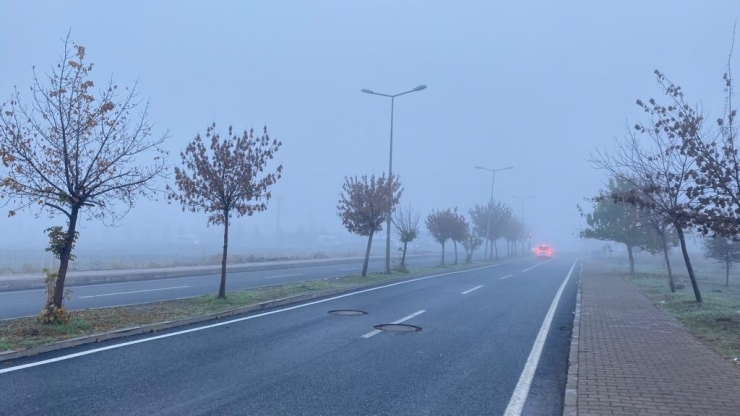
(390, 172)
(523, 199)
(490, 208)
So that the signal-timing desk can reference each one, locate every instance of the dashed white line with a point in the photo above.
(283, 275)
(536, 265)
(133, 291)
(404, 319)
(519, 397)
(232, 321)
(506, 277)
(470, 290)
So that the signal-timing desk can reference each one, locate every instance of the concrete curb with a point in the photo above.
(160, 326)
(570, 405)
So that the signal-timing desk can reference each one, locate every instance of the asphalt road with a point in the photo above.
(16, 304)
(473, 356)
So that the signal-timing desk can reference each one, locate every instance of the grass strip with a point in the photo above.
(715, 321)
(17, 334)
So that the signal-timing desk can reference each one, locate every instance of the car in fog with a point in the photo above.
(543, 251)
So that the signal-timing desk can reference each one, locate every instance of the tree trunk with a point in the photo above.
(222, 286)
(443, 253)
(367, 254)
(671, 281)
(632, 260)
(495, 247)
(727, 271)
(403, 257)
(455, 244)
(69, 241)
(689, 267)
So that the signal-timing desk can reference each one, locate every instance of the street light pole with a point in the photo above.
(490, 207)
(523, 198)
(390, 173)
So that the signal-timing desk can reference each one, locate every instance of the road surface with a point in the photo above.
(493, 341)
(16, 304)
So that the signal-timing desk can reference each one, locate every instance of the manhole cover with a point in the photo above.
(397, 328)
(347, 313)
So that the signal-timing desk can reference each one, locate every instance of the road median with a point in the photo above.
(91, 277)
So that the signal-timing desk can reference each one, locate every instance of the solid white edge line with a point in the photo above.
(470, 290)
(404, 319)
(536, 265)
(506, 277)
(245, 318)
(519, 397)
(133, 291)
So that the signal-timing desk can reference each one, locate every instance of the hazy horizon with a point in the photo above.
(536, 86)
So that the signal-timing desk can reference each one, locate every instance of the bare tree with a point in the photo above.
(472, 242)
(226, 177)
(661, 177)
(364, 206)
(406, 221)
(72, 151)
(458, 230)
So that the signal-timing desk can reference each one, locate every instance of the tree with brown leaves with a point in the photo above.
(226, 178)
(364, 205)
(72, 150)
(660, 178)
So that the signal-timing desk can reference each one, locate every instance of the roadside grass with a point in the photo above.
(716, 321)
(23, 333)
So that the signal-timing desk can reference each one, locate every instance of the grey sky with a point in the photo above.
(532, 84)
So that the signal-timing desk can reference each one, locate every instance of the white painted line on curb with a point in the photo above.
(349, 268)
(404, 319)
(536, 265)
(519, 397)
(283, 275)
(231, 321)
(506, 277)
(470, 290)
(133, 291)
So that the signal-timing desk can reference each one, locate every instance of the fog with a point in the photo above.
(532, 85)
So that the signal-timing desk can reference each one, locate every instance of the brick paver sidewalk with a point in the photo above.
(634, 359)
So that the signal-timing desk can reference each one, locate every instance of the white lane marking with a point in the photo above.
(229, 322)
(15, 292)
(516, 403)
(506, 277)
(470, 290)
(536, 265)
(404, 319)
(133, 291)
(283, 275)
